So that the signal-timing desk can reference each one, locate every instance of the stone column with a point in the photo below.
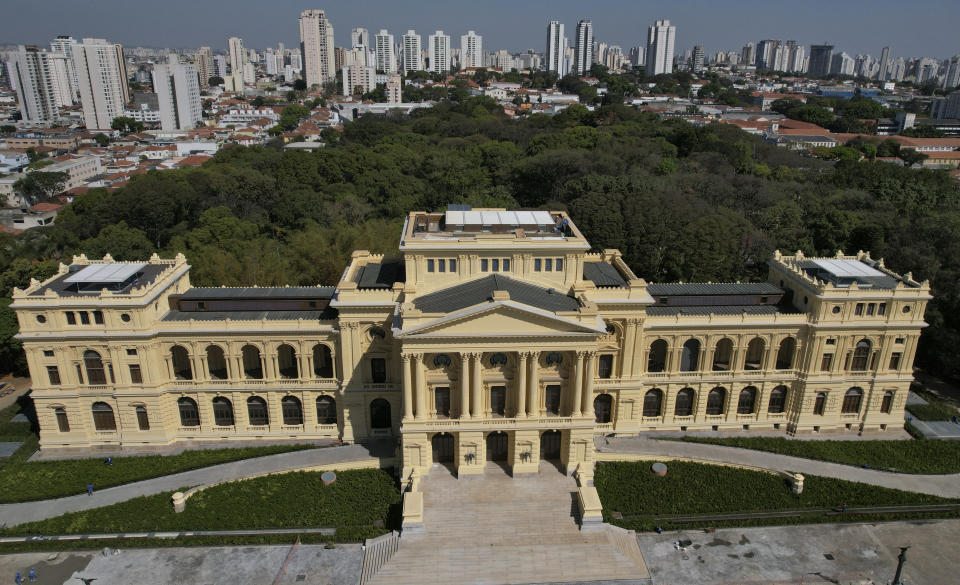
(577, 386)
(586, 405)
(476, 406)
(407, 387)
(464, 385)
(521, 410)
(533, 385)
(420, 390)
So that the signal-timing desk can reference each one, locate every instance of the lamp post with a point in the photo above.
(900, 561)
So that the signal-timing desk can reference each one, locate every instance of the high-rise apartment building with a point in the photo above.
(660, 39)
(412, 56)
(386, 60)
(359, 37)
(220, 66)
(766, 53)
(394, 89)
(203, 59)
(842, 64)
(64, 44)
(316, 45)
(237, 55)
(471, 50)
(556, 43)
(178, 95)
(898, 70)
(638, 56)
(884, 64)
(42, 82)
(951, 78)
(821, 58)
(358, 79)
(748, 54)
(439, 45)
(583, 55)
(102, 75)
(698, 59)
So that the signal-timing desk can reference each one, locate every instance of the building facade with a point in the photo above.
(471, 50)
(102, 75)
(556, 45)
(493, 335)
(439, 44)
(43, 83)
(386, 60)
(660, 40)
(583, 55)
(178, 95)
(316, 45)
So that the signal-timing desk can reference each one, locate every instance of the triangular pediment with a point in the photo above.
(501, 319)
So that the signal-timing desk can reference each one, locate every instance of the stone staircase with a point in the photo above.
(376, 552)
(498, 530)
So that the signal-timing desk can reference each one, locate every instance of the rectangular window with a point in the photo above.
(498, 400)
(441, 402)
(484, 265)
(54, 374)
(441, 266)
(495, 264)
(429, 265)
(899, 340)
(71, 318)
(378, 370)
(859, 310)
(536, 265)
(831, 342)
(871, 309)
(882, 309)
(84, 318)
(110, 370)
(98, 317)
(506, 265)
(559, 264)
(895, 360)
(131, 352)
(453, 265)
(551, 400)
(48, 353)
(605, 366)
(79, 374)
(826, 363)
(62, 423)
(135, 376)
(548, 265)
(143, 421)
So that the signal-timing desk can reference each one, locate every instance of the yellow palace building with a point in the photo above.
(493, 335)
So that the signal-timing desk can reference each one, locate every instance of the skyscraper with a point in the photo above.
(386, 60)
(64, 44)
(42, 82)
(439, 44)
(203, 59)
(316, 44)
(766, 54)
(951, 78)
(583, 57)
(698, 58)
(660, 39)
(471, 50)
(359, 37)
(102, 75)
(842, 64)
(884, 63)
(412, 57)
(748, 54)
(556, 43)
(821, 57)
(237, 55)
(178, 95)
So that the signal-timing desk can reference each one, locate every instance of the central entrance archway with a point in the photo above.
(498, 445)
(550, 442)
(442, 448)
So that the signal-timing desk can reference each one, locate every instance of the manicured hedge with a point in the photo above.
(23, 481)
(696, 488)
(907, 456)
(360, 504)
(933, 411)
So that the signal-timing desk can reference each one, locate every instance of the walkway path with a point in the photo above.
(13, 514)
(947, 486)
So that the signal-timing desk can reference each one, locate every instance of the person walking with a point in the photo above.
(32, 575)
(89, 489)
(18, 578)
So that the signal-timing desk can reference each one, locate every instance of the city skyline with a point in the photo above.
(854, 27)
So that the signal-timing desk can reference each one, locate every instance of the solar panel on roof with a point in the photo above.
(105, 273)
(849, 268)
(542, 217)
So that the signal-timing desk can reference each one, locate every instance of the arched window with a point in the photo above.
(380, 414)
(785, 354)
(216, 363)
(292, 410)
(861, 356)
(322, 361)
(748, 397)
(63, 424)
(652, 401)
(252, 367)
(684, 403)
(498, 359)
(778, 400)
(602, 405)
(754, 358)
(189, 413)
(441, 360)
(851, 401)
(690, 356)
(723, 355)
(257, 412)
(326, 410)
(94, 367)
(887, 405)
(181, 363)
(657, 361)
(287, 362)
(103, 419)
(222, 412)
(820, 404)
(716, 400)
(554, 357)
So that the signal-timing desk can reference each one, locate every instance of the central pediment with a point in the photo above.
(500, 319)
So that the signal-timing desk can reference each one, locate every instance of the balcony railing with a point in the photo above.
(504, 423)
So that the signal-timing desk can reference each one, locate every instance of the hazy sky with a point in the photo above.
(915, 28)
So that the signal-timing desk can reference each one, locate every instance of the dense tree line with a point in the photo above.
(706, 203)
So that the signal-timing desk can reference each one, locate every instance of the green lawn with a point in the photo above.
(359, 504)
(908, 456)
(697, 488)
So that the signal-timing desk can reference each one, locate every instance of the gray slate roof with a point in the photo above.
(480, 291)
(250, 315)
(263, 292)
(712, 288)
(603, 274)
(381, 275)
(702, 310)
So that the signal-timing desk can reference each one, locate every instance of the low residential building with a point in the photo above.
(39, 215)
(79, 170)
(13, 161)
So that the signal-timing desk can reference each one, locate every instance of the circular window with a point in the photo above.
(125, 317)
(41, 319)
(836, 310)
(906, 309)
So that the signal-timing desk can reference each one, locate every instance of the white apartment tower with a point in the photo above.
(471, 50)
(439, 44)
(102, 76)
(203, 59)
(556, 43)
(359, 38)
(178, 95)
(358, 78)
(42, 82)
(583, 57)
(412, 56)
(237, 55)
(386, 60)
(64, 44)
(884, 64)
(316, 45)
(660, 39)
